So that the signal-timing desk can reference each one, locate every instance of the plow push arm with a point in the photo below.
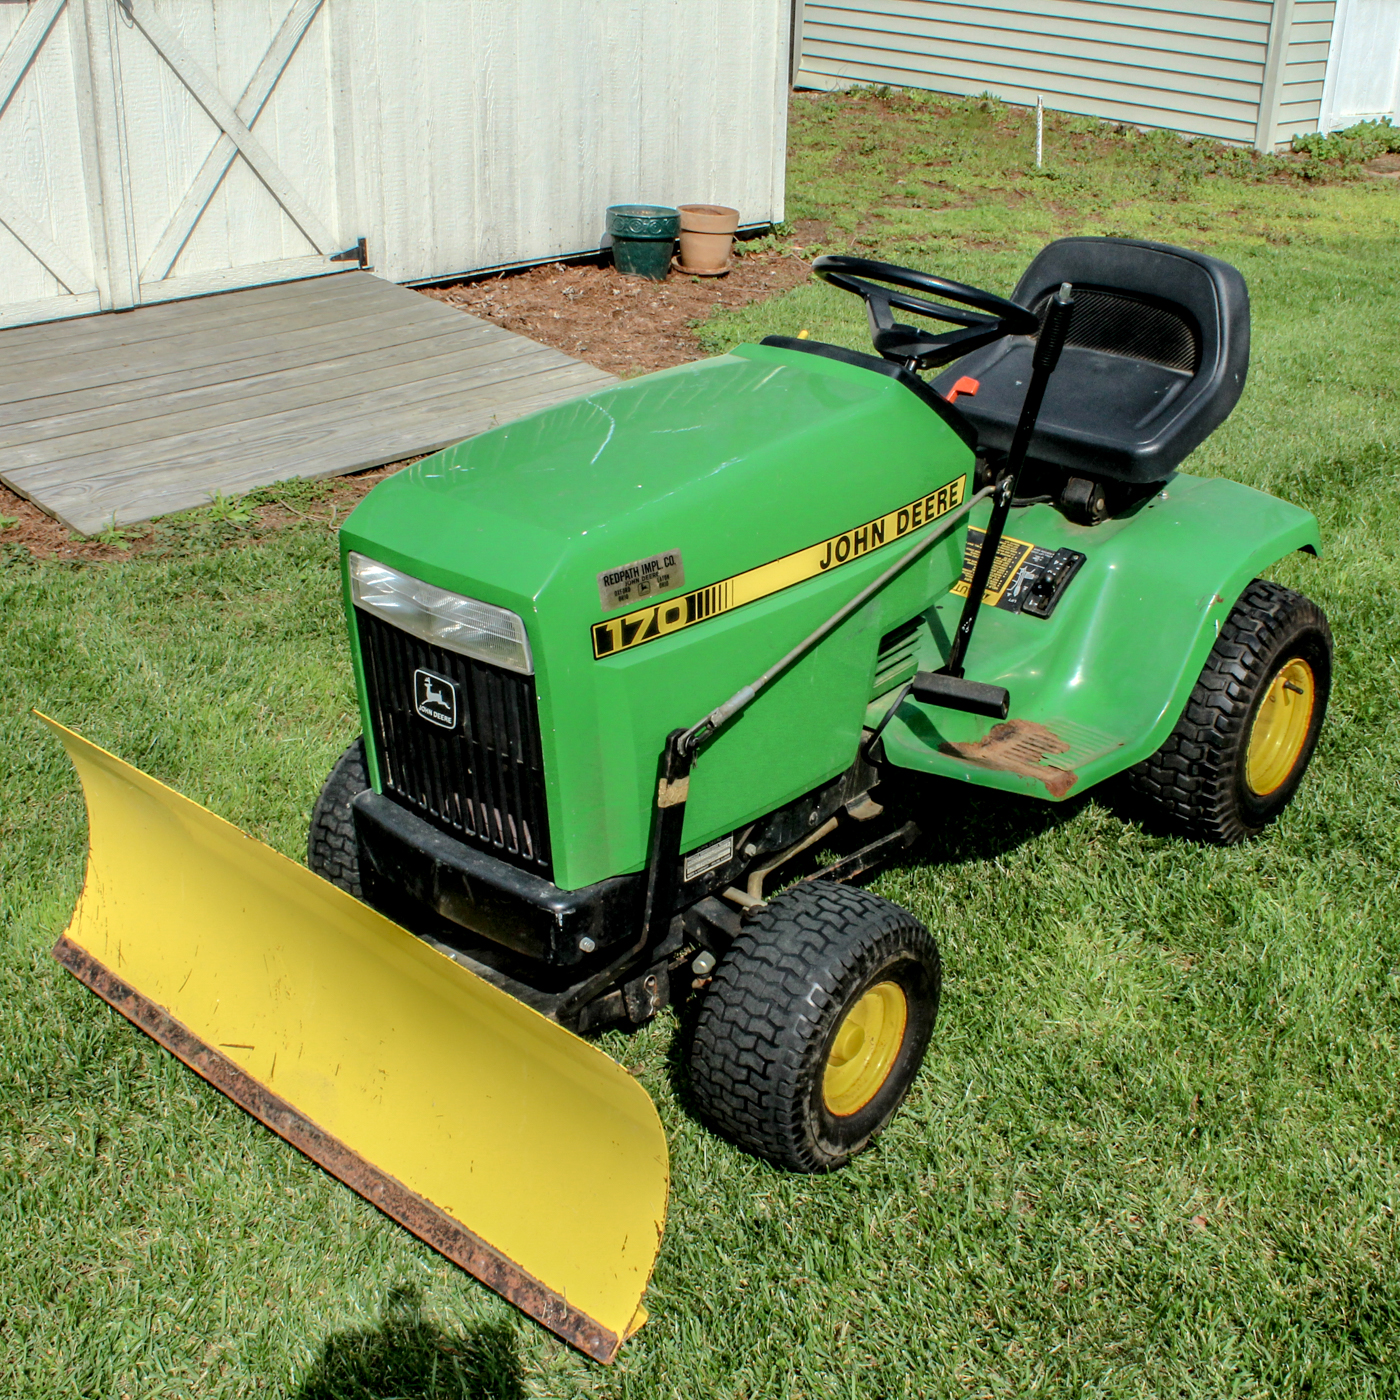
(683, 745)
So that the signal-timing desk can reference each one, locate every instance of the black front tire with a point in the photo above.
(1197, 784)
(765, 1036)
(331, 848)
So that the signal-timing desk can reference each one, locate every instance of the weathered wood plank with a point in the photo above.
(318, 300)
(294, 432)
(227, 436)
(191, 479)
(198, 314)
(135, 373)
(120, 418)
(242, 403)
(118, 396)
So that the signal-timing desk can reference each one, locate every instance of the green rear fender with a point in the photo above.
(1101, 683)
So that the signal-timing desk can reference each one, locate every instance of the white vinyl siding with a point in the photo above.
(1305, 68)
(1195, 66)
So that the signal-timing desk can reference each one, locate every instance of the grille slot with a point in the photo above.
(482, 781)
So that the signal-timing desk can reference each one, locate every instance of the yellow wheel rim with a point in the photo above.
(1280, 727)
(865, 1049)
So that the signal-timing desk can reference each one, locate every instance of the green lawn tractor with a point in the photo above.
(650, 679)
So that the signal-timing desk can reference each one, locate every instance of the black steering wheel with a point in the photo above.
(990, 318)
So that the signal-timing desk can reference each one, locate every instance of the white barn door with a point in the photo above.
(219, 117)
(185, 147)
(1363, 64)
(160, 149)
(51, 255)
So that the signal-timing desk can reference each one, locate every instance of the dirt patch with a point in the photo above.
(808, 237)
(26, 526)
(624, 325)
(261, 512)
(1384, 165)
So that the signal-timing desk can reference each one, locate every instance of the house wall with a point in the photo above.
(539, 115)
(157, 149)
(1363, 64)
(1305, 68)
(1195, 66)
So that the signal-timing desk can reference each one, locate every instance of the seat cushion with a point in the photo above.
(1155, 359)
(1101, 416)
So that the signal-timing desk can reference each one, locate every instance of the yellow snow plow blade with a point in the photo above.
(511, 1146)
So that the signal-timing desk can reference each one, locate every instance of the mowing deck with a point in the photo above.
(120, 417)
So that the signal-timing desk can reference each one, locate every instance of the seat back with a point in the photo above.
(1155, 359)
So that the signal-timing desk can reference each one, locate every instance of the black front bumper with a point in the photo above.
(494, 900)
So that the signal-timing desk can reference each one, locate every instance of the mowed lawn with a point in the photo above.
(1153, 1149)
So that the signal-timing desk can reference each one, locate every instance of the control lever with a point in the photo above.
(1044, 358)
(956, 693)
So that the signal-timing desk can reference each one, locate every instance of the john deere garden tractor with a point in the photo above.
(648, 680)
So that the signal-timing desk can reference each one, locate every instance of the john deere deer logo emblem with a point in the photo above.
(435, 699)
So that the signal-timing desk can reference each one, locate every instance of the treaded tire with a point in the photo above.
(766, 1026)
(331, 849)
(1195, 784)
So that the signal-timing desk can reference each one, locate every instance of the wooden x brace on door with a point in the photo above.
(235, 137)
(14, 64)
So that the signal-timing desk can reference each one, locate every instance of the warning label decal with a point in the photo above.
(646, 624)
(1025, 577)
(1011, 554)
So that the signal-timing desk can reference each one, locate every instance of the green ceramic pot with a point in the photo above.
(644, 236)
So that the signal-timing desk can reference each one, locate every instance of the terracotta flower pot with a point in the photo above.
(707, 235)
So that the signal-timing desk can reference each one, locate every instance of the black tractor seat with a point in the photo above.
(1155, 359)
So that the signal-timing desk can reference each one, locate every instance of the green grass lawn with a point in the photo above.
(1153, 1151)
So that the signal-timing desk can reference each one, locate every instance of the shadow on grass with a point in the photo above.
(408, 1357)
(961, 823)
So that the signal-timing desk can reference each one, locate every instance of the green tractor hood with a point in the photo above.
(699, 477)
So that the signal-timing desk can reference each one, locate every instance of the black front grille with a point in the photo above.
(481, 780)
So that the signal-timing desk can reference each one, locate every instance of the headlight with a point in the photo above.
(440, 618)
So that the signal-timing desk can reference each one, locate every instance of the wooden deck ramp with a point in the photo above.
(120, 417)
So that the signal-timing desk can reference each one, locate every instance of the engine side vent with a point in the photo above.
(482, 779)
(898, 658)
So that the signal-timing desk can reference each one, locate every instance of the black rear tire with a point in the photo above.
(331, 848)
(764, 1058)
(1198, 783)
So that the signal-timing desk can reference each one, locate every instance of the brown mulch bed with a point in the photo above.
(624, 325)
